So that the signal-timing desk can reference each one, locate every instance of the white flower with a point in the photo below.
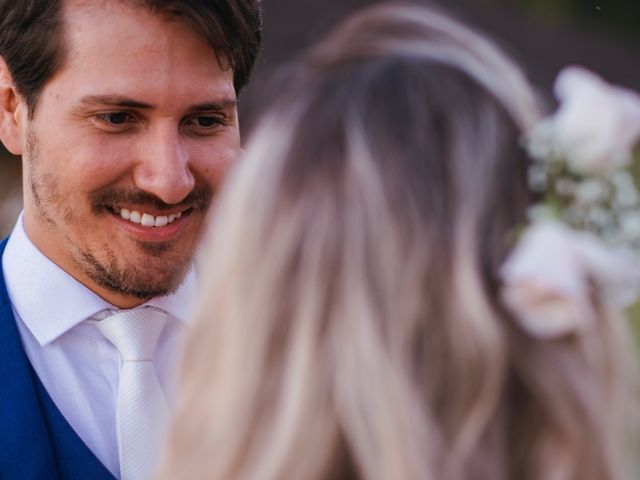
(565, 187)
(537, 178)
(540, 212)
(590, 191)
(630, 225)
(626, 193)
(595, 128)
(548, 279)
(599, 218)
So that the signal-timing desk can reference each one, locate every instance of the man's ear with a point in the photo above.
(13, 112)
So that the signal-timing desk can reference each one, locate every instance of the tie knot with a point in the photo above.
(134, 332)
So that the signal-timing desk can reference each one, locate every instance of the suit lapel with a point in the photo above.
(36, 441)
(25, 449)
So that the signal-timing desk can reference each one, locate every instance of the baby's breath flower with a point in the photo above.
(537, 176)
(591, 191)
(626, 192)
(630, 226)
(566, 187)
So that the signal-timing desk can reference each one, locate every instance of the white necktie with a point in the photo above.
(142, 411)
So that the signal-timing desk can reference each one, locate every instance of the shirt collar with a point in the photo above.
(50, 302)
(180, 304)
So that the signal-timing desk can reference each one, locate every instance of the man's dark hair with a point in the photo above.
(32, 36)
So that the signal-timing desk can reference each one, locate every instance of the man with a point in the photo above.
(124, 112)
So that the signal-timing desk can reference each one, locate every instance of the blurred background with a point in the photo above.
(544, 35)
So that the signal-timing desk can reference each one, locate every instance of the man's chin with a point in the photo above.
(156, 249)
(140, 287)
(154, 276)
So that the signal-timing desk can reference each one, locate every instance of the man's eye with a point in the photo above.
(206, 121)
(115, 118)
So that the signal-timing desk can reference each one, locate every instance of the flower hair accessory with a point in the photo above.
(584, 236)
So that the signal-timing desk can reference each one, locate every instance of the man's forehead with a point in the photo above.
(81, 4)
(69, 7)
(101, 24)
(115, 50)
(77, 13)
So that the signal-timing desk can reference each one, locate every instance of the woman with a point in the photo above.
(351, 323)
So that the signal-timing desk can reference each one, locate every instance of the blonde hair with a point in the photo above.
(350, 324)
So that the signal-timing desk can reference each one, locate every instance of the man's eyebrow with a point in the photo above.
(114, 100)
(217, 105)
(120, 101)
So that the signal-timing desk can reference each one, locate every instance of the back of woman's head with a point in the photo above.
(350, 323)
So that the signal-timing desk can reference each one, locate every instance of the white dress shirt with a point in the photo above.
(77, 365)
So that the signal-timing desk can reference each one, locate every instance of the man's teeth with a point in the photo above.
(147, 220)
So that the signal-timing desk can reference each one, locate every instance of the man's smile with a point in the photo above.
(147, 219)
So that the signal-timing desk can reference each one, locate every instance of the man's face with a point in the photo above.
(128, 143)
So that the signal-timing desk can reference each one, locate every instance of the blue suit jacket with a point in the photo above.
(36, 442)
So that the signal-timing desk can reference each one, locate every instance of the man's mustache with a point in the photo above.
(198, 199)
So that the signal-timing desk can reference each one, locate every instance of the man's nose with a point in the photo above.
(163, 168)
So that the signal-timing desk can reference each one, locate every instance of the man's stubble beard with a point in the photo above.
(141, 282)
(102, 266)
